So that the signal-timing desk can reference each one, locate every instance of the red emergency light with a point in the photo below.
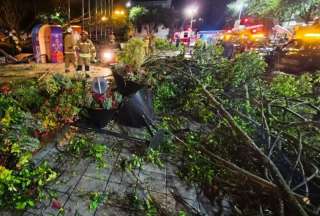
(246, 21)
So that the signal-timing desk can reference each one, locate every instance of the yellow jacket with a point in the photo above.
(69, 44)
(86, 49)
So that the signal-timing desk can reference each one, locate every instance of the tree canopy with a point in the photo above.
(151, 18)
(16, 14)
(282, 9)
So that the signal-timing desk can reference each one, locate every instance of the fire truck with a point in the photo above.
(187, 37)
(300, 54)
(249, 33)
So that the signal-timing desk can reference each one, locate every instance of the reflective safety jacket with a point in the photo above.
(69, 44)
(86, 49)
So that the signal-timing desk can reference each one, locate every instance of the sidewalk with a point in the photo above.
(80, 178)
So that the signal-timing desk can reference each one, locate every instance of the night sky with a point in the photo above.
(212, 11)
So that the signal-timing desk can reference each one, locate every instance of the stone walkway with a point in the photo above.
(80, 178)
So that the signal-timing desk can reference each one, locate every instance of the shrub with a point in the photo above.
(28, 112)
(134, 53)
(82, 146)
(21, 188)
(21, 184)
(290, 86)
(29, 96)
(164, 44)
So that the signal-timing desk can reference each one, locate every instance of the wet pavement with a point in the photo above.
(80, 178)
(28, 71)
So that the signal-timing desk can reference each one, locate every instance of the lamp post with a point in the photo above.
(191, 11)
(128, 4)
(69, 11)
(241, 7)
(89, 19)
(96, 19)
(101, 14)
(82, 5)
(106, 14)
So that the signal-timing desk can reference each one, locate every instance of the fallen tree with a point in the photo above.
(232, 127)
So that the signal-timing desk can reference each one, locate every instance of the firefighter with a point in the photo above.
(177, 40)
(228, 49)
(86, 52)
(151, 43)
(146, 41)
(112, 38)
(69, 50)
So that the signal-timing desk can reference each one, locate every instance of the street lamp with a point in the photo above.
(82, 17)
(69, 11)
(238, 7)
(191, 11)
(128, 4)
(242, 5)
(119, 12)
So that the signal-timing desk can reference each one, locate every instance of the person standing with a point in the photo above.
(228, 49)
(177, 39)
(151, 43)
(112, 38)
(146, 44)
(86, 52)
(69, 50)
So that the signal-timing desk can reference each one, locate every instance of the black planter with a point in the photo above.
(99, 117)
(136, 110)
(126, 88)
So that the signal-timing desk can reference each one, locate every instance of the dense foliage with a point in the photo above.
(83, 147)
(284, 10)
(134, 53)
(234, 131)
(152, 18)
(30, 10)
(228, 121)
(164, 44)
(30, 112)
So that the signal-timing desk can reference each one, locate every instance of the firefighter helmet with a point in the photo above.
(84, 33)
(69, 30)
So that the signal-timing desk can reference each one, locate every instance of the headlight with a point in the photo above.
(108, 55)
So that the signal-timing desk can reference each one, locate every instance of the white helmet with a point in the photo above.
(100, 85)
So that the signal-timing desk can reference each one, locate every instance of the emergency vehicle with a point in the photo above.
(249, 33)
(302, 53)
(187, 38)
